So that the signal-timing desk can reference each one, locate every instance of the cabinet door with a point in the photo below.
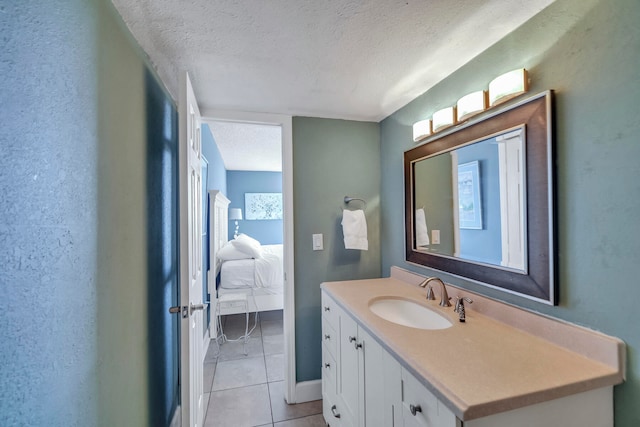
(392, 373)
(375, 406)
(349, 370)
(420, 408)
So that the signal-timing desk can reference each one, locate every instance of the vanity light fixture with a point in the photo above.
(443, 119)
(421, 130)
(235, 214)
(507, 86)
(471, 104)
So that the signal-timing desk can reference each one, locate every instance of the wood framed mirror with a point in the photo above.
(479, 200)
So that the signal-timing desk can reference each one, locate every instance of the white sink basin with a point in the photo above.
(408, 313)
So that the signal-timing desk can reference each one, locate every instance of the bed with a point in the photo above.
(260, 278)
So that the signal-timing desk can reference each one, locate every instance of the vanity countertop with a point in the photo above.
(485, 365)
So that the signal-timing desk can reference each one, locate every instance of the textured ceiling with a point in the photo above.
(351, 59)
(247, 146)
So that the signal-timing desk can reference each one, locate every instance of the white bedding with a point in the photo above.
(264, 272)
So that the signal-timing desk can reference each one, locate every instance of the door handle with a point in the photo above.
(183, 309)
(194, 307)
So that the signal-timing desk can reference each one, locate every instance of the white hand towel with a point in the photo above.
(354, 228)
(422, 233)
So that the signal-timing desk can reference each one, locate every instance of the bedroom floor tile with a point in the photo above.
(239, 373)
(249, 390)
(246, 406)
(271, 327)
(236, 329)
(209, 371)
(273, 344)
(275, 367)
(235, 350)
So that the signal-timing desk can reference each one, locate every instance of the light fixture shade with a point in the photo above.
(470, 105)
(235, 213)
(421, 130)
(443, 118)
(507, 86)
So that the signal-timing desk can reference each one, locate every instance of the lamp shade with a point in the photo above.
(235, 213)
(421, 130)
(507, 86)
(471, 105)
(443, 118)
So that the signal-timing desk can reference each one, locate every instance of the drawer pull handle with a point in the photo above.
(333, 411)
(352, 339)
(327, 337)
(327, 309)
(415, 409)
(327, 365)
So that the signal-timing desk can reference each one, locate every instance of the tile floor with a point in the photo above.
(248, 390)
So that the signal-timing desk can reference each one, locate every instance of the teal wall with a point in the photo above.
(48, 229)
(588, 52)
(331, 159)
(87, 338)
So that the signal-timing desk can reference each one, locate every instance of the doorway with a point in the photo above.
(285, 125)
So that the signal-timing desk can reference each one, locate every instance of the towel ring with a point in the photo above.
(348, 199)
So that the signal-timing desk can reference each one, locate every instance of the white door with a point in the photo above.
(191, 328)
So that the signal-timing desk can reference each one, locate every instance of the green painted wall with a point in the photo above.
(331, 159)
(588, 52)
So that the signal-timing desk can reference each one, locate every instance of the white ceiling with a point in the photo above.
(248, 146)
(349, 59)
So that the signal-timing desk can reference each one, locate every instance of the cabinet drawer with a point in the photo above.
(330, 311)
(421, 408)
(329, 372)
(331, 411)
(330, 338)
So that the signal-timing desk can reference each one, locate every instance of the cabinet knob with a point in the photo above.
(326, 337)
(358, 345)
(414, 409)
(327, 365)
(352, 339)
(327, 309)
(334, 412)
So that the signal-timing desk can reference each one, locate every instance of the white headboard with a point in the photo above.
(218, 233)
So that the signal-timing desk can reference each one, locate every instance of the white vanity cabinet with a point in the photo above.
(363, 385)
(360, 381)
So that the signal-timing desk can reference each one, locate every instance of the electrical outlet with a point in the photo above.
(435, 237)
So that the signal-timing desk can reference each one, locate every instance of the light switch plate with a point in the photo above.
(318, 244)
(435, 237)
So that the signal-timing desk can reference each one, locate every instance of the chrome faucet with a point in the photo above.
(444, 297)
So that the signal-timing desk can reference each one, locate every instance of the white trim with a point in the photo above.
(285, 122)
(308, 391)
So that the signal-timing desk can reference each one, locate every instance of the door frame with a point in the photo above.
(285, 123)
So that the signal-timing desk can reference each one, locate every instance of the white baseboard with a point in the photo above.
(176, 420)
(308, 391)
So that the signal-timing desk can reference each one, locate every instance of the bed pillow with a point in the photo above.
(229, 253)
(248, 245)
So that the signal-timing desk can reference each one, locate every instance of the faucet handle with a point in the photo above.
(430, 295)
(459, 308)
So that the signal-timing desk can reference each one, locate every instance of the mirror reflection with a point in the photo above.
(469, 203)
